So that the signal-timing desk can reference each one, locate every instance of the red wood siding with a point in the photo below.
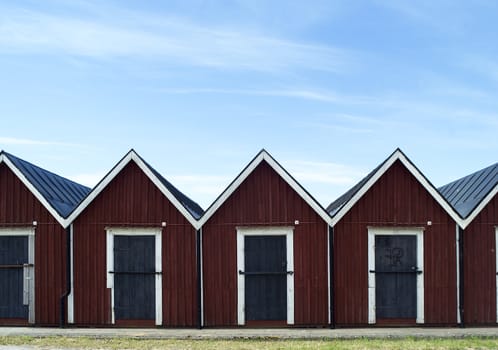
(18, 206)
(397, 199)
(480, 267)
(131, 199)
(264, 198)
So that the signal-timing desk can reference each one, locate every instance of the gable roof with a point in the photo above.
(343, 204)
(264, 156)
(56, 193)
(470, 194)
(189, 209)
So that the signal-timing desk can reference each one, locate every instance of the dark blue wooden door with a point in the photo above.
(396, 277)
(265, 278)
(13, 254)
(134, 278)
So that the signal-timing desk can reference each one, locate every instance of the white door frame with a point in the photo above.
(287, 231)
(410, 231)
(136, 231)
(28, 271)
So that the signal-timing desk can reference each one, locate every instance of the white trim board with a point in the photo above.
(496, 263)
(329, 282)
(132, 156)
(28, 271)
(397, 155)
(457, 240)
(419, 233)
(70, 297)
(5, 159)
(201, 262)
(485, 201)
(260, 157)
(136, 231)
(264, 231)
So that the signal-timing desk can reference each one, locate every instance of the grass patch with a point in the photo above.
(250, 344)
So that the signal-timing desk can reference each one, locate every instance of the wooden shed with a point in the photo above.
(475, 199)
(134, 251)
(34, 205)
(265, 252)
(395, 250)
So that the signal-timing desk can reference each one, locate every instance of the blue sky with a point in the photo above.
(329, 88)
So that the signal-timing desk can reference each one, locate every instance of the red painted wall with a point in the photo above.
(397, 199)
(19, 207)
(264, 198)
(131, 199)
(480, 267)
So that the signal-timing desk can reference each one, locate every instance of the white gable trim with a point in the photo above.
(131, 156)
(33, 190)
(263, 155)
(397, 155)
(466, 222)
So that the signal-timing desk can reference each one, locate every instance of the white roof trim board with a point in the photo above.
(131, 156)
(264, 156)
(33, 190)
(485, 201)
(397, 155)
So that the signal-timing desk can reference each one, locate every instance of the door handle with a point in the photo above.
(266, 273)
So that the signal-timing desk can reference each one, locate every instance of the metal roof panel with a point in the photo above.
(466, 193)
(61, 193)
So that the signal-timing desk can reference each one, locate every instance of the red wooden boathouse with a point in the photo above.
(394, 250)
(34, 204)
(134, 251)
(476, 200)
(265, 252)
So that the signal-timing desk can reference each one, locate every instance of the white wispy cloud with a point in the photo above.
(348, 123)
(88, 179)
(304, 93)
(326, 181)
(324, 172)
(146, 36)
(202, 188)
(445, 16)
(485, 66)
(339, 128)
(10, 141)
(205, 184)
